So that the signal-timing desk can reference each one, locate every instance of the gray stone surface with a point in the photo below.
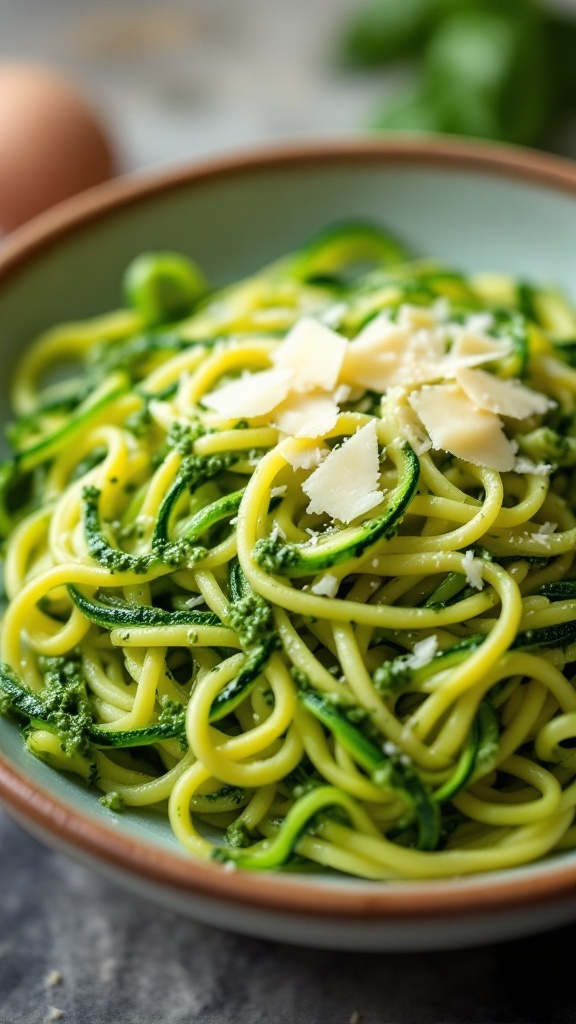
(123, 961)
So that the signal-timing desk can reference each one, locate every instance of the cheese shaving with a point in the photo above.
(326, 586)
(457, 427)
(346, 484)
(504, 397)
(528, 467)
(313, 353)
(306, 458)
(254, 394)
(311, 415)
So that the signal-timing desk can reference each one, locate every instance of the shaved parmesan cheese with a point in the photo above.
(313, 353)
(312, 415)
(346, 484)
(385, 354)
(408, 423)
(341, 394)
(505, 397)
(253, 395)
(473, 570)
(416, 316)
(455, 426)
(305, 459)
(372, 358)
(326, 586)
(471, 349)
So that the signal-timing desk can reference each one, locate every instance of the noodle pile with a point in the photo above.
(190, 626)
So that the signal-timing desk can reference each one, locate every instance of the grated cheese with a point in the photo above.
(472, 349)
(326, 586)
(423, 652)
(545, 530)
(523, 465)
(346, 484)
(473, 570)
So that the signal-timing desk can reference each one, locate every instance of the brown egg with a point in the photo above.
(51, 144)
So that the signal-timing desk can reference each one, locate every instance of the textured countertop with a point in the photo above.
(123, 961)
(179, 80)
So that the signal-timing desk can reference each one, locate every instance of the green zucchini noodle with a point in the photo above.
(304, 666)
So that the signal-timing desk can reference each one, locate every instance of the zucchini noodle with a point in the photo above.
(328, 631)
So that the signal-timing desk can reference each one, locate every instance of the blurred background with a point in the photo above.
(175, 80)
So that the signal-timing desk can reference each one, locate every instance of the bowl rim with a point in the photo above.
(32, 803)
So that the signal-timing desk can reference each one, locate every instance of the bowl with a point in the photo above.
(477, 207)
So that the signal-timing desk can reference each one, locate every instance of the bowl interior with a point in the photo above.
(232, 222)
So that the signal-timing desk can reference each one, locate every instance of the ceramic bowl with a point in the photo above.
(476, 207)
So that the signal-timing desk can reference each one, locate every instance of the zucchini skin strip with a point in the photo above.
(114, 614)
(195, 471)
(285, 559)
(387, 771)
(22, 701)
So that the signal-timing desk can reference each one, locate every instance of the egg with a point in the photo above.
(52, 144)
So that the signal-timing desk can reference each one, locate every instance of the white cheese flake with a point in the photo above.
(528, 467)
(455, 426)
(390, 749)
(326, 586)
(313, 353)
(385, 354)
(310, 415)
(254, 394)
(471, 349)
(423, 652)
(407, 420)
(346, 484)
(341, 394)
(473, 570)
(503, 397)
(278, 492)
(373, 357)
(546, 529)
(306, 458)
